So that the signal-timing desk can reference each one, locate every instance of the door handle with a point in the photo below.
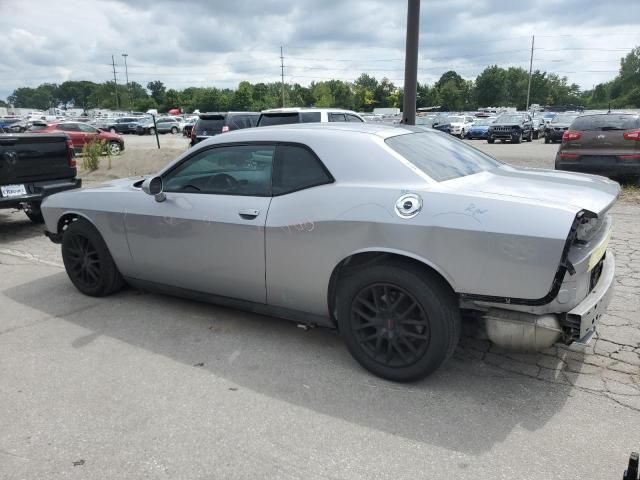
(248, 213)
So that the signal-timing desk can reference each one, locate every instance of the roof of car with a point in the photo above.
(306, 109)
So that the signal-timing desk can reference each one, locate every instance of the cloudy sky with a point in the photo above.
(212, 42)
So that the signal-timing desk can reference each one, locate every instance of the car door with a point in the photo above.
(208, 233)
(89, 133)
(295, 233)
(71, 129)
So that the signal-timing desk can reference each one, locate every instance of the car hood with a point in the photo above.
(480, 127)
(550, 187)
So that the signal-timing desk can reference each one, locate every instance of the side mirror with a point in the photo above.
(153, 186)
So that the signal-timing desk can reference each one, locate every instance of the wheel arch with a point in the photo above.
(70, 216)
(371, 256)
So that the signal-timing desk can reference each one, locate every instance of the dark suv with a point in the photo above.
(606, 143)
(214, 123)
(554, 130)
(514, 127)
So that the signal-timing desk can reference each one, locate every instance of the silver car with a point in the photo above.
(388, 234)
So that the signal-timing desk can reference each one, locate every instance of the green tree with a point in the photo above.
(157, 90)
(242, 99)
(491, 87)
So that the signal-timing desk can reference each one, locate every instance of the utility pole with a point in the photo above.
(282, 74)
(115, 81)
(126, 74)
(533, 38)
(411, 63)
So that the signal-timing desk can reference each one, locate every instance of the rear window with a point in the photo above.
(606, 122)
(440, 156)
(267, 119)
(209, 125)
(237, 122)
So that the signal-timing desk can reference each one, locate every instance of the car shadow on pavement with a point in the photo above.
(466, 406)
(15, 226)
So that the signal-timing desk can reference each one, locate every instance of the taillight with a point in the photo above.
(71, 154)
(225, 128)
(629, 157)
(570, 135)
(565, 155)
(635, 135)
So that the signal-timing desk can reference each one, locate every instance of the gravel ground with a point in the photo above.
(143, 386)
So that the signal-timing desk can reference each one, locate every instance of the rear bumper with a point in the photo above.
(588, 311)
(606, 169)
(36, 191)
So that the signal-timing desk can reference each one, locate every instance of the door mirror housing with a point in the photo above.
(153, 186)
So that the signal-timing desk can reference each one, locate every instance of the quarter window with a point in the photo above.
(297, 168)
(353, 118)
(230, 170)
(337, 117)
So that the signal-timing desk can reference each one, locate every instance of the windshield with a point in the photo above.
(606, 122)
(482, 123)
(510, 118)
(441, 157)
(564, 118)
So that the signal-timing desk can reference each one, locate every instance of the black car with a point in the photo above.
(214, 123)
(123, 125)
(514, 127)
(554, 130)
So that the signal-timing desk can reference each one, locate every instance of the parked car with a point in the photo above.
(606, 144)
(282, 116)
(514, 127)
(311, 224)
(33, 167)
(81, 133)
(215, 123)
(122, 125)
(146, 127)
(538, 125)
(480, 128)
(168, 125)
(559, 124)
(187, 126)
(457, 125)
(15, 125)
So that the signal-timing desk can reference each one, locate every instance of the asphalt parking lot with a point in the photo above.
(143, 386)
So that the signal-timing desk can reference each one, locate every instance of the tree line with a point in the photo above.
(494, 86)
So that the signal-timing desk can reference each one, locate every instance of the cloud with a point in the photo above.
(195, 43)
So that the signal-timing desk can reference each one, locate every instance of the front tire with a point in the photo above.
(546, 139)
(174, 130)
(114, 148)
(398, 321)
(490, 140)
(87, 260)
(517, 139)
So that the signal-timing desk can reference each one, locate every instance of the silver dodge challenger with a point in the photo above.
(391, 235)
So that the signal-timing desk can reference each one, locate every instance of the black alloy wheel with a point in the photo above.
(390, 325)
(87, 260)
(83, 262)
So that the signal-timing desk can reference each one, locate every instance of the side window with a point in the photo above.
(353, 118)
(337, 117)
(231, 170)
(296, 168)
(68, 127)
(86, 128)
(310, 117)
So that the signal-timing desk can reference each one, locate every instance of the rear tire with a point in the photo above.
(397, 320)
(490, 140)
(114, 148)
(546, 140)
(34, 213)
(174, 130)
(152, 131)
(88, 262)
(530, 137)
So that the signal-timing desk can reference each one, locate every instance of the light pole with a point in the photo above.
(126, 76)
(411, 63)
